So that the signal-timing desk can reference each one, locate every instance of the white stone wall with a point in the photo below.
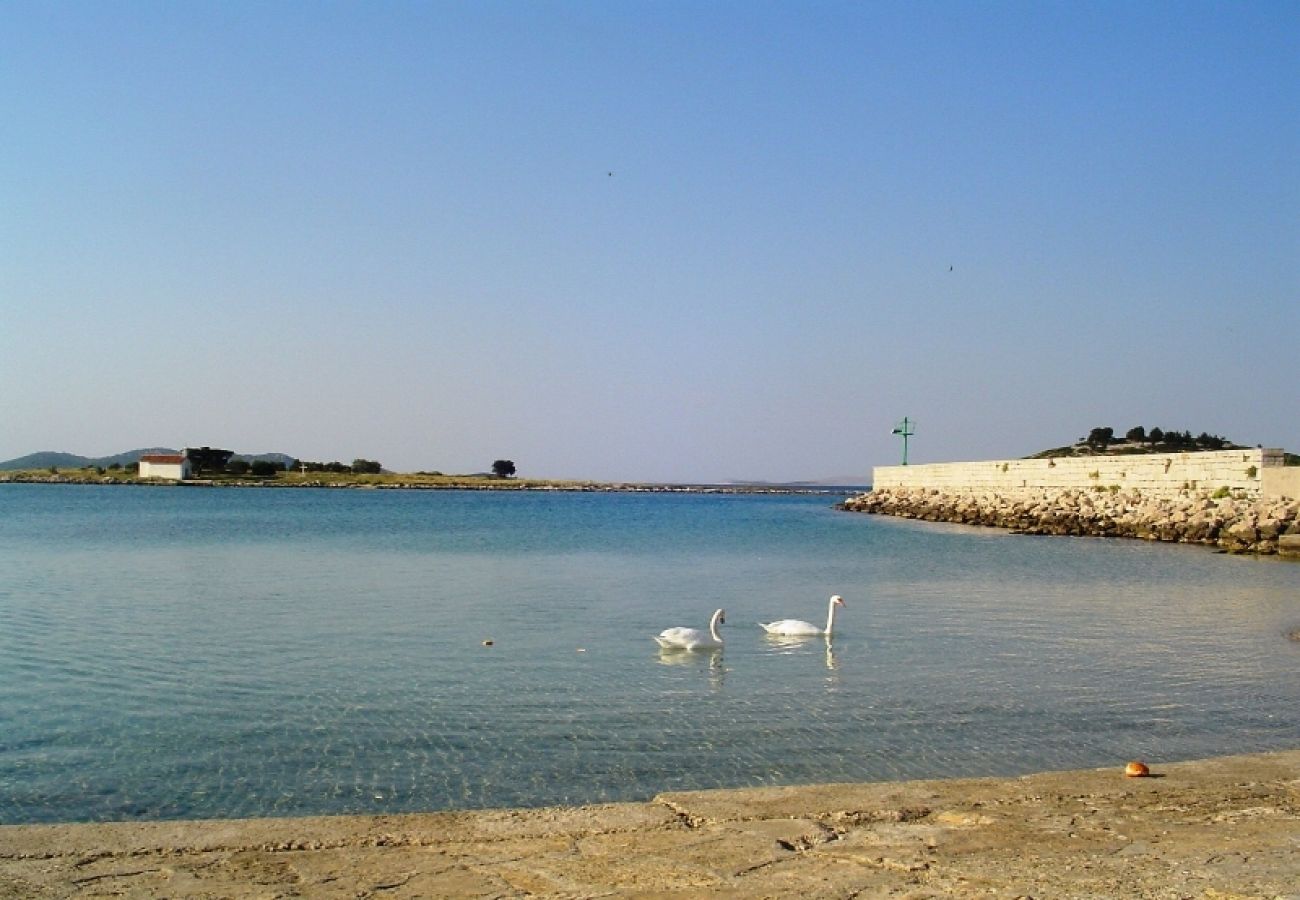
(1157, 474)
(174, 471)
(1279, 483)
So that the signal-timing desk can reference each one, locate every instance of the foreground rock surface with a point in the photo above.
(1219, 828)
(1234, 524)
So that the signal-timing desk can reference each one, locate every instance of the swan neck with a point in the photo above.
(830, 617)
(713, 626)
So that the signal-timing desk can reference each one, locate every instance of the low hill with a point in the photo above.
(45, 459)
(280, 459)
(51, 458)
(128, 457)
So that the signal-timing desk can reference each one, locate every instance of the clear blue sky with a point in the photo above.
(391, 231)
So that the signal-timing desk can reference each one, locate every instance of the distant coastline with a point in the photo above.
(417, 482)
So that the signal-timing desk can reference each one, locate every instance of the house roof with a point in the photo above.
(174, 459)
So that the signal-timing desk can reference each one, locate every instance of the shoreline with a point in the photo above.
(398, 482)
(1222, 827)
(1223, 520)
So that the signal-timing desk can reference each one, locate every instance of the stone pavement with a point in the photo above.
(1220, 828)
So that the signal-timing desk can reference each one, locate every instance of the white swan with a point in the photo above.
(798, 626)
(693, 638)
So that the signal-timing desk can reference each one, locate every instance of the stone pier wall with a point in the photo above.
(1154, 475)
(1241, 501)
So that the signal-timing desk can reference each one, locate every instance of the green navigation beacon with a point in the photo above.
(906, 429)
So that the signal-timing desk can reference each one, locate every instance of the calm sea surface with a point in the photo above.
(171, 653)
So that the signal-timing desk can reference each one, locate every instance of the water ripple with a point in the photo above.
(170, 654)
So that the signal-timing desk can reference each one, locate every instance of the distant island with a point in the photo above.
(58, 460)
(208, 466)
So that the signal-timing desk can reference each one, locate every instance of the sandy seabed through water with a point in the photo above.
(1216, 828)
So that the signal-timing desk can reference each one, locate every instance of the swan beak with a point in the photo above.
(838, 600)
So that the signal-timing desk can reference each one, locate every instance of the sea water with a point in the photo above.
(191, 652)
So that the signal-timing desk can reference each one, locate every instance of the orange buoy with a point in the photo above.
(1137, 769)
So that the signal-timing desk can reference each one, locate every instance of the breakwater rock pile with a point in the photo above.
(1232, 523)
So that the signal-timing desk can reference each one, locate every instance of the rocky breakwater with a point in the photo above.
(1232, 523)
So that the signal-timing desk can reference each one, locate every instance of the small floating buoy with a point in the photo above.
(582, 649)
(487, 643)
(1137, 769)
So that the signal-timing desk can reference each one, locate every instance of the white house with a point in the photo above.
(165, 465)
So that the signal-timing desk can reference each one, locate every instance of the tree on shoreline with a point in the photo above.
(503, 468)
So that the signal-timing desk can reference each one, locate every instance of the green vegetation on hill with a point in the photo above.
(1138, 440)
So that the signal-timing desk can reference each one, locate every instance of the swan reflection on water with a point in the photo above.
(710, 659)
(789, 644)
